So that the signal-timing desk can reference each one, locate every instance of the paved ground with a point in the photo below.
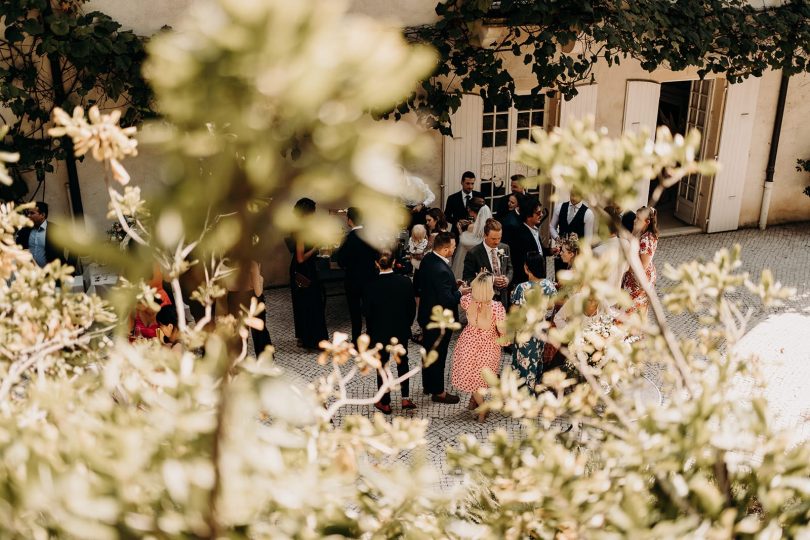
(777, 337)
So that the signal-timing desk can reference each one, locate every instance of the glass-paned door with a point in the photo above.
(700, 98)
(502, 129)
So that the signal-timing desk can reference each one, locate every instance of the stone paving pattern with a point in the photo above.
(777, 336)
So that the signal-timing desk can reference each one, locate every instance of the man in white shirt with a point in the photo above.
(572, 216)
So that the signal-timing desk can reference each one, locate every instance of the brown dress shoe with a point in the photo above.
(448, 398)
(383, 408)
(407, 404)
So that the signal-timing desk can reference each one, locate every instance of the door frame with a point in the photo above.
(685, 209)
(711, 151)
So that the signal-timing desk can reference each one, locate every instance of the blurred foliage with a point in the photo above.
(105, 439)
(286, 101)
(562, 42)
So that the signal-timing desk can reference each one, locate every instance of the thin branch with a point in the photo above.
(344, 401)
(121, 219)
(181, 313)
(660, 316)
(586, 372)
(21, 366)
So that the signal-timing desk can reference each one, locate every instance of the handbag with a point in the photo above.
(302, 281)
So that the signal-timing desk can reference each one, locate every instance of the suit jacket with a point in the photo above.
(52, 252)
(510, 221)
(390, 306)
(455, 209)
(437, 288)
(521, 241)
(477, 258)
(357, 258)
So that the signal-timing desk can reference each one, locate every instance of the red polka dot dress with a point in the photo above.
(477, 349)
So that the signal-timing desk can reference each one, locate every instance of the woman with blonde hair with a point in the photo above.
(477, 346)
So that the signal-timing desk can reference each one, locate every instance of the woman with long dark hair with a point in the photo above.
(435, 223)
(645, 228)
(307, 290)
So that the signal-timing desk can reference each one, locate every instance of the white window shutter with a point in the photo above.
(462, 151)
(640, 112)
(581, 106)
(735, 144)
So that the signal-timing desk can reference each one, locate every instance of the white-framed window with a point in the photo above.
(502, 129)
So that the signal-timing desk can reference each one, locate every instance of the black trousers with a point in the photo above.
(235, 299)
(433, 375)
(261, 338)
(402, 369)
(354, 297)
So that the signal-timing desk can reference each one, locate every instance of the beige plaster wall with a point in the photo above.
(403, 13)
(56, 194)
(788, 203)
(144, 18)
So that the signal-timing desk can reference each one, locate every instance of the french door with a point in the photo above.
(502, 129)
(700, 99)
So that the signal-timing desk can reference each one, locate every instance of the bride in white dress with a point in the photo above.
(472, 236)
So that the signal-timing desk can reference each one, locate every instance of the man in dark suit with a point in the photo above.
(358, 259)
(38, 239)
(438, 287)
(455, 209)
(390, 306)
(493, 256)
(526, 238)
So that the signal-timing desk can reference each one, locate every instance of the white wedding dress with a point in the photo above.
(470, 239)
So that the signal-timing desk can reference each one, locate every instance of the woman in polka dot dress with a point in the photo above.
(477, 346)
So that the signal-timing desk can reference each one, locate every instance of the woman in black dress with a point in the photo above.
(307, 290)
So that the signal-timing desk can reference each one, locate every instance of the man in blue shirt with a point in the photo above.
(36, 239)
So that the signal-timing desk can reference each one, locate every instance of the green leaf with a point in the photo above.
(32, 27)
(59, 26)
(13, 34)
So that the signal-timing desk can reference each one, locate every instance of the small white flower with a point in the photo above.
(101, 136)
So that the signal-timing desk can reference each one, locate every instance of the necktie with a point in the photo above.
(572, 211)
(496, 264)
(466, 200)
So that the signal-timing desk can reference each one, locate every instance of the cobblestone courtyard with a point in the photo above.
(777, 337)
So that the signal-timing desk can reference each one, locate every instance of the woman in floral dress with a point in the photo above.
(645, 228)
(527, 358)
(477, 346)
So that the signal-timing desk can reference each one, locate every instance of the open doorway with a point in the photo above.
(673, 112)
(683, 105)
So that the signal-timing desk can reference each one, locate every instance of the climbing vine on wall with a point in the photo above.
(803, 165)
(562, 42)
(97, 62)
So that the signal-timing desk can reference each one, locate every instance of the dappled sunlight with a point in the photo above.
(782, 357)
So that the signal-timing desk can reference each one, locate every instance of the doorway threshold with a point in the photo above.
(680, 231)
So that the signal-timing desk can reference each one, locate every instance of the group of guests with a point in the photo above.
(467, 259)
